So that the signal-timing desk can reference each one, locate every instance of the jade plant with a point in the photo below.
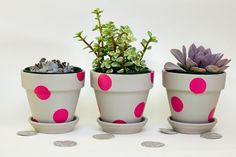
(199, 60)
(53, 66)
(113, 50)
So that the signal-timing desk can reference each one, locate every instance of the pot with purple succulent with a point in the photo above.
(193, 87)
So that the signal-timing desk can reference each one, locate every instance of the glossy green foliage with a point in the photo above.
(113, 49)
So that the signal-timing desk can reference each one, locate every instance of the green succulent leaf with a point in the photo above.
(120, 71)
(149, 34)
(127, 64)
(119, 59)
(113, 47)
(115, 65)
(109, 71)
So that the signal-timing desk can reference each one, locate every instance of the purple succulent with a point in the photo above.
(199, 60)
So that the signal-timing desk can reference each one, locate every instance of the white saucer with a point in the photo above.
(129, 128)
(192, 128)
(54, 128)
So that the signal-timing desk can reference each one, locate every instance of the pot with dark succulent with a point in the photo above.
(53, 90)
(193, 88)
(120, 77)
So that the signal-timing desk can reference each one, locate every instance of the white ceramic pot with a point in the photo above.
(121, 98)
(53, 97)
(193, 97)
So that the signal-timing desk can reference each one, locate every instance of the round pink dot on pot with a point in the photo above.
(81, 75)
(104, 82)
(119, 122)
(211, 115)
(177, 104)
(42, 92)
(138, 111)
(152, 76)
(197, 85)
(60, 115)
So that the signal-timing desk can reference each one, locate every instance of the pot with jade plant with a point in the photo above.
(53, 90)
(193, 87)
(120, 77)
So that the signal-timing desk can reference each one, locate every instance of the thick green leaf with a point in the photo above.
(119, 59)
(127, 64)
(149, 34)
(109, 71)
(115, 65)
(121, 71)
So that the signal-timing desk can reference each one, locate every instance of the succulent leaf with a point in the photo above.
(223, 62)
(198, 70)
(222, 69)
(192, 51)
(184, 54)
(178, 55)
(172, 67)
(190, 63)
(212, 68)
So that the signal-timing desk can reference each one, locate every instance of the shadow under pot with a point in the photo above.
(121, 100)
(53, 99)
(192, 100)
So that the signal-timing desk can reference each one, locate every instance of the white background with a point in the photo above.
(31, 29)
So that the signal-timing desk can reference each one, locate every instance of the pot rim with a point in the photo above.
(194, 74)
(124, 74)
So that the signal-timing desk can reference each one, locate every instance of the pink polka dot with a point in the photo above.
(152, 76)
(177, 104)
(119, 122)
(42, 92)
(81, 75)
(211, 115)
(138, 112)
(60, 115)
(197, 85)
(104, 82)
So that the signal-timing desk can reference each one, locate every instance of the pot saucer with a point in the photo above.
(129, 128)
(54, 128)
(191, 128)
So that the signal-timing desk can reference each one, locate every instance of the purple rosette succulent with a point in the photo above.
(198, 60)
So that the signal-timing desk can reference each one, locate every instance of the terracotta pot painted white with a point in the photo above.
(193, 97)
(121, 98)
(53, 97)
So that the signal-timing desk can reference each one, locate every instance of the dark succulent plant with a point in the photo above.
(53, 66)
(199, 60)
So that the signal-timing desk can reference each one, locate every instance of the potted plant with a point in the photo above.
(53, 90)
(193, 88)
(120, 77)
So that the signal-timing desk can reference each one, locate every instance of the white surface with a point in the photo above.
(32, 29)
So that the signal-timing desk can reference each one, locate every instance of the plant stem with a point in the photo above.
(102, 46)
(100, 27)
(86, 43)
(113, 44)
(145, 48)
(123, 56)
